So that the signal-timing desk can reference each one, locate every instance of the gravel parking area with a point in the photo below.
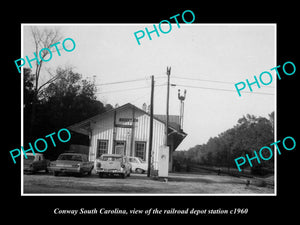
(140, 184)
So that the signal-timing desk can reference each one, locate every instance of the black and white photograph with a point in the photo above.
(168, 120)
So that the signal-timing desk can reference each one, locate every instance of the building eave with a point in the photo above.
(83, 127)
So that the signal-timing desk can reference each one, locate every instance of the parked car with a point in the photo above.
(35, 163)
(72, 163)
(138, 165)
(113, 164)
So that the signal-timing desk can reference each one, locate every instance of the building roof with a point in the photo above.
(174, 120)
(84, 126)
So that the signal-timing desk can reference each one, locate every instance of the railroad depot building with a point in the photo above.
(125, 130)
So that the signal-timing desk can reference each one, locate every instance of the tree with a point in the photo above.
(251, 133)
(67, 100)
(28, 87)
(271, 119)
(70, 99)
(42, 39)
(28, 99)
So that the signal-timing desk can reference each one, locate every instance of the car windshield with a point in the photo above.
(29, 158)
(70, 157)
(111, 158)
(139, 159)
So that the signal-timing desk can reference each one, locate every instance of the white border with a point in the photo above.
(146, 194)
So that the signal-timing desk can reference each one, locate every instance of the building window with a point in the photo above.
(102, 147)
(140, 149)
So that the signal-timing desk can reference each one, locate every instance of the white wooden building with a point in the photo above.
(125, 130)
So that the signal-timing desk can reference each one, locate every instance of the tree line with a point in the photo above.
(249, 134)
(67, 100)
(56, 98)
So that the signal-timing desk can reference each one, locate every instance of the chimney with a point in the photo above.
(144, 107)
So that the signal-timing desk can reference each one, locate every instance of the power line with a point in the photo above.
(206, 80)
(122, 90)
(219, 89)
(128, 89)
(197, 79)
(175, 77)
(120, 82)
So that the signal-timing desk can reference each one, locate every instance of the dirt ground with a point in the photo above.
(177, 183)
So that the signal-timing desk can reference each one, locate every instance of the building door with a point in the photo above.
(120, 147)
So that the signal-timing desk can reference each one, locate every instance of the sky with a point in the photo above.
(202, 57)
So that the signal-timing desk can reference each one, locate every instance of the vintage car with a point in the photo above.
(138, 165)
(35, 162)
(72, 163)
(113, 164)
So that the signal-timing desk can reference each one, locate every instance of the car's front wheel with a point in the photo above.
(55, 173)
(138, 170)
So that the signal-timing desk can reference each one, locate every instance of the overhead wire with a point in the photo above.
(196, 79)
(120, 82)
(220, 89)
(206, 80)
(129, 89)
(122, 90)
(172, 84)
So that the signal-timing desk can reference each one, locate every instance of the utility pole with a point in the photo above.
(167, 113)
(151, 126)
